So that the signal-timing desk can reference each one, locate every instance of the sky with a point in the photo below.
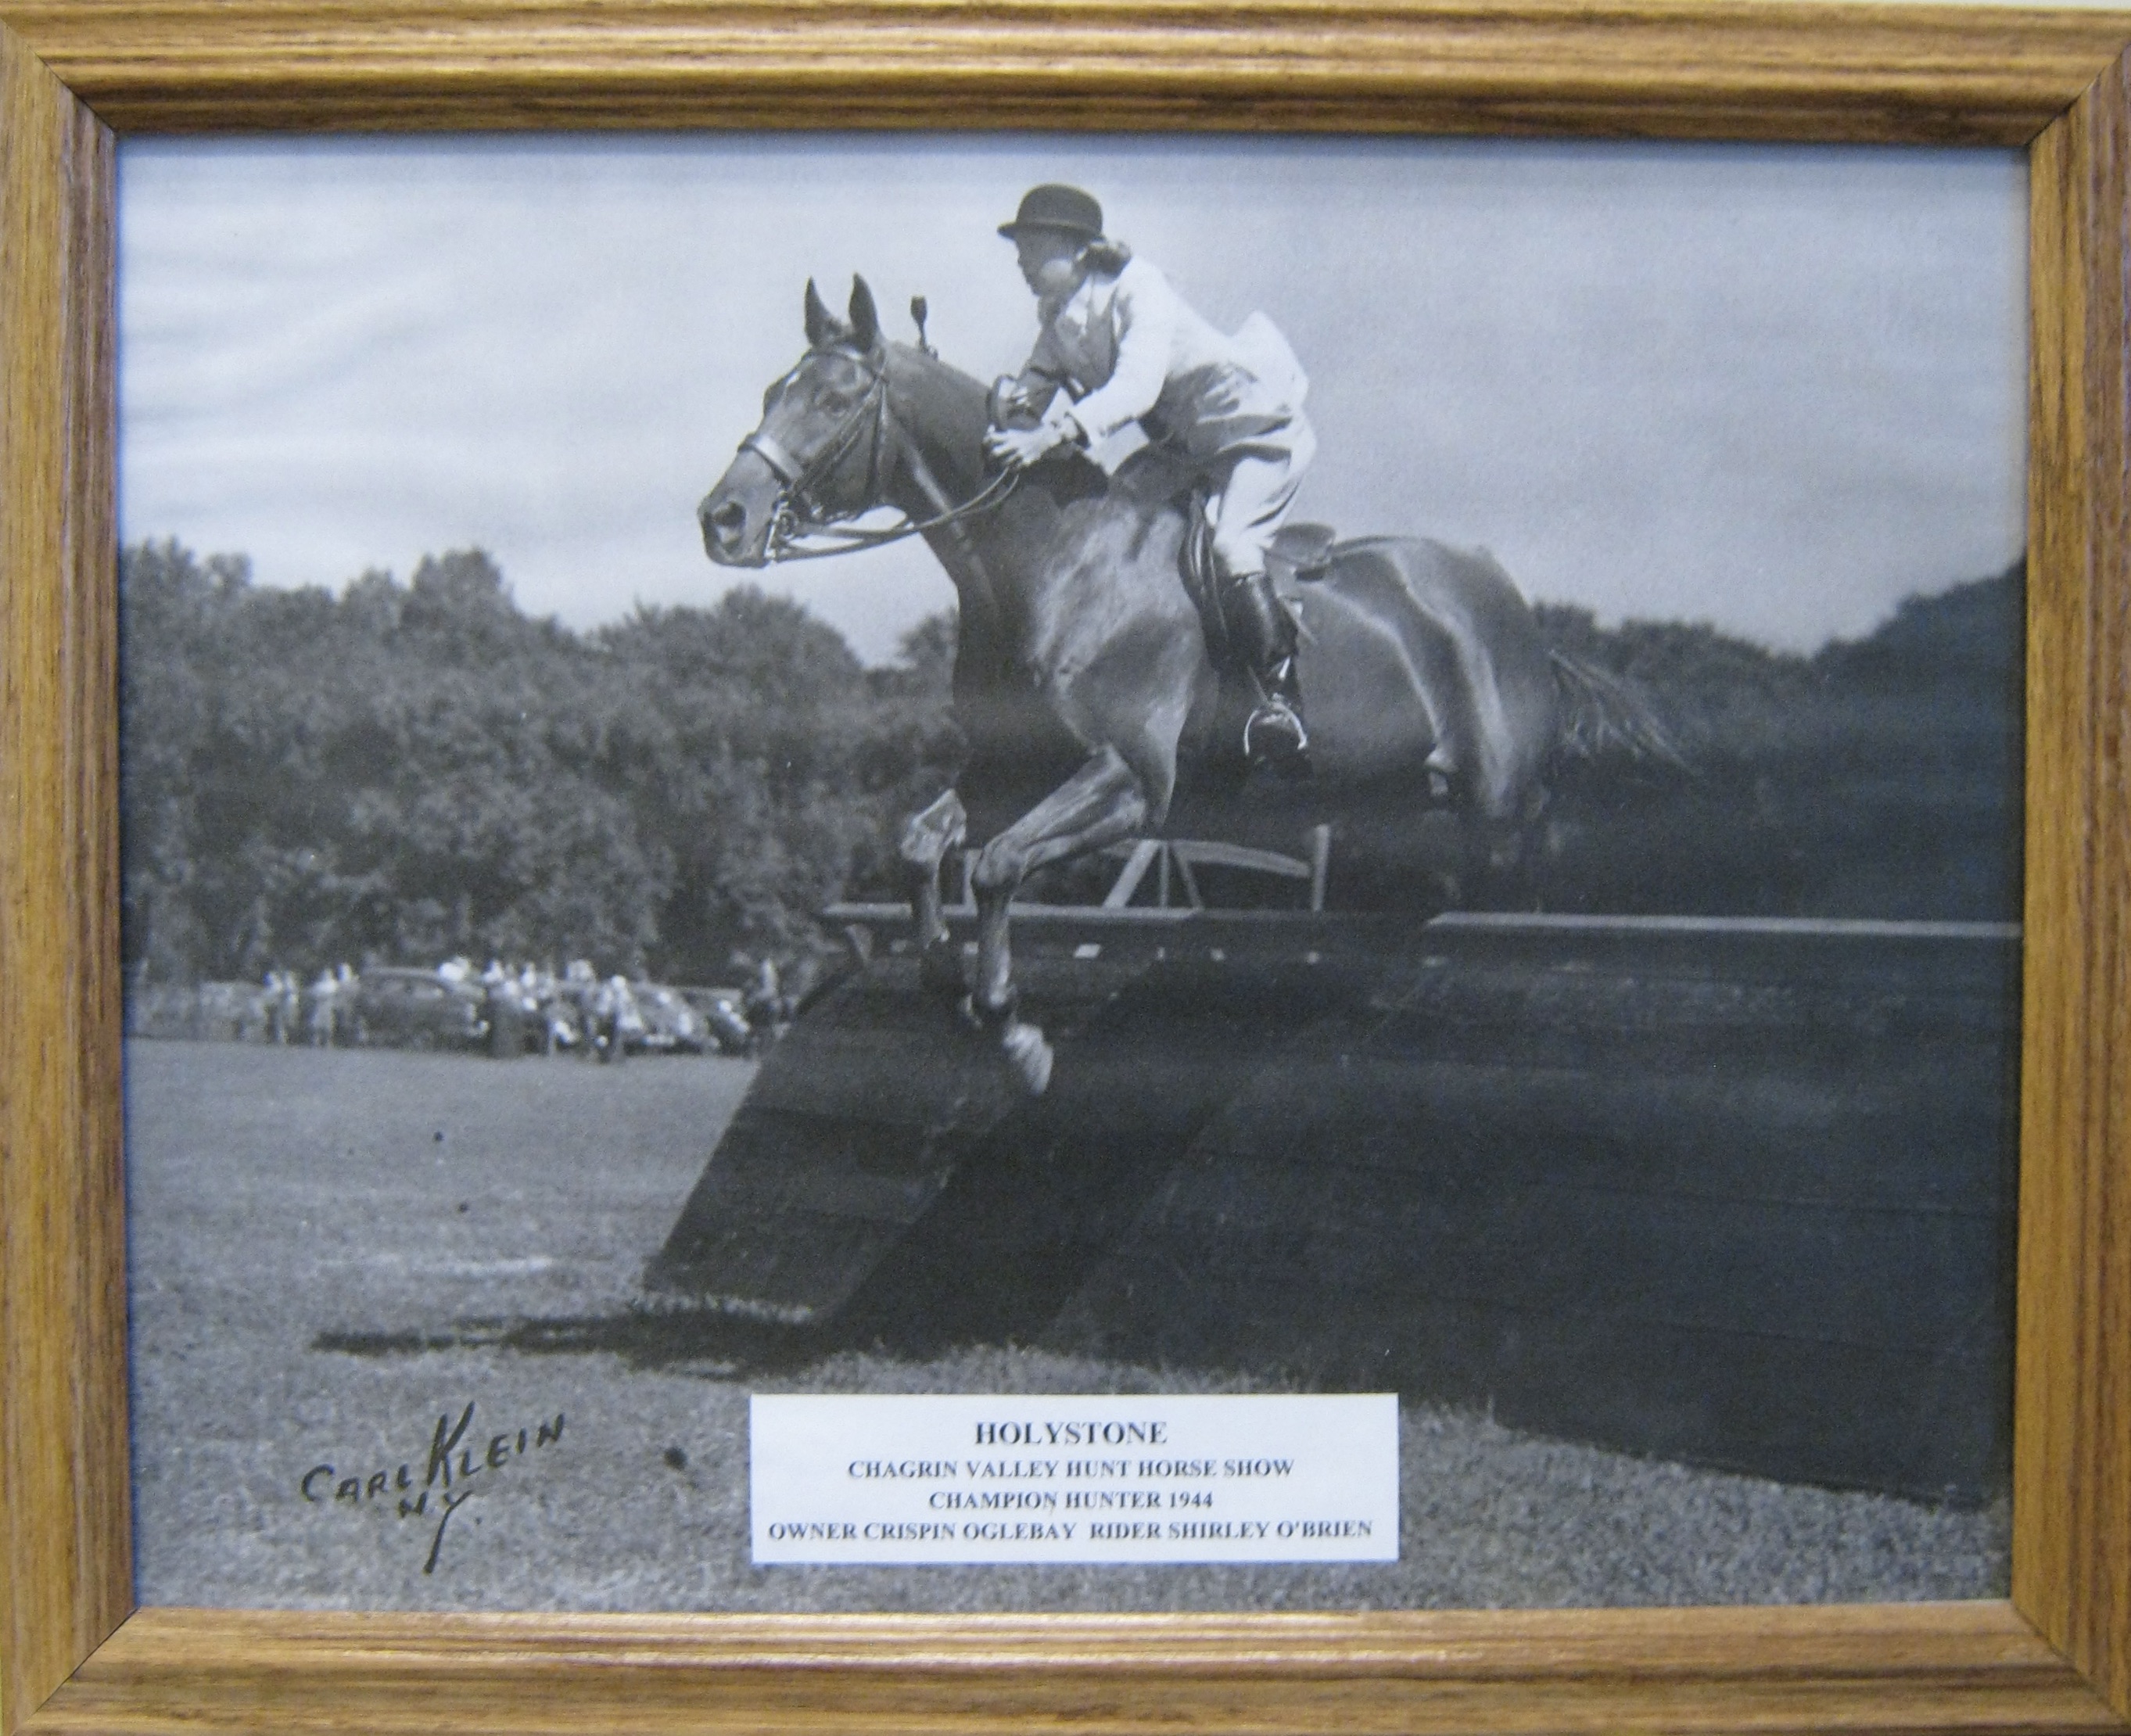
(1776, 389)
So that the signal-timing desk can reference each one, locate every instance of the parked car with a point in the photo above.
(720, 1010)
(418, 1009)
(670, 1025)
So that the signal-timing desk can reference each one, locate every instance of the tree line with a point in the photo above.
(1880, 778)
(404, 771)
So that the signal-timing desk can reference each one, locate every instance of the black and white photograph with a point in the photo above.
(762, 769)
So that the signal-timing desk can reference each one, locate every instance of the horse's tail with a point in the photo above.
(1606, 716)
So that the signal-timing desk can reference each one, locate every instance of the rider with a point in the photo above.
(1124, 345)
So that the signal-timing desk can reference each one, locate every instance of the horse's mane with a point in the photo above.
(964, 406)
(929, 374)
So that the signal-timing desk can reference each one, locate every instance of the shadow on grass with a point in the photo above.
(715, 1346)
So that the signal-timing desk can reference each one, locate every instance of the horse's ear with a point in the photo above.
(823, 327)
(865, 318)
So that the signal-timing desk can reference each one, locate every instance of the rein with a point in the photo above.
(799, 522)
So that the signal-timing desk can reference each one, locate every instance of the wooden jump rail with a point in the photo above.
(1184, 854)
(1173, 862)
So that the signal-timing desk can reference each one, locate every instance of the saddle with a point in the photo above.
(1298, 554)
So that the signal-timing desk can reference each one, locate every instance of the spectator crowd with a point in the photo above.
(502, 1009)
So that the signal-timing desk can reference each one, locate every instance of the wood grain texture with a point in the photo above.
(1811, 71)
(63, 1447)
(2072, 1511)
(1947, 1667)
(1661, 68)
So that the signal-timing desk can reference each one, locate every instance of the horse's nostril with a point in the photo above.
(730, 517)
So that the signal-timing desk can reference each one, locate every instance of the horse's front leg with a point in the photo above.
(927, 836)
(1100, 804)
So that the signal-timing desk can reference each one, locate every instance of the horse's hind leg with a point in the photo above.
(1100, 804)
(927, 836)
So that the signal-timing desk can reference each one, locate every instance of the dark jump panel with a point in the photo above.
(885, 1173)
(1735, 1194)
(1738, 1194)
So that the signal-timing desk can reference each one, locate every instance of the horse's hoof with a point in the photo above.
(1029, 1055)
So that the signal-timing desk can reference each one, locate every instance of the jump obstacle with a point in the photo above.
(1738, 1193)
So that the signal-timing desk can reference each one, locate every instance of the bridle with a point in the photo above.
(798, 521)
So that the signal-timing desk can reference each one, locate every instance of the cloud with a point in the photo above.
(1773, 388)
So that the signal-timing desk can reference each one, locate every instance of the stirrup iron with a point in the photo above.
(1274, 730)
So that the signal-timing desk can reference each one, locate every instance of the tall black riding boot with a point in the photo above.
(1265, 634)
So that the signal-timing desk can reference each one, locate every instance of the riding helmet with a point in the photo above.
(1052, 207)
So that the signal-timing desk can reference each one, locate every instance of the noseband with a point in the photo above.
(799, 521)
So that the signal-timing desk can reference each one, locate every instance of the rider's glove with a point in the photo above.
(1018, 449)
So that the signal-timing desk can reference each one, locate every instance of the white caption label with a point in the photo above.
(970, 1477)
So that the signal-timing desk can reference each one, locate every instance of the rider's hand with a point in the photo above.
(1017, 448)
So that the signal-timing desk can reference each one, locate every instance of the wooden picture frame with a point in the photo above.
(75, 74)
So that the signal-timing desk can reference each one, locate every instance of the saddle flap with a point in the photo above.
(1195, 560)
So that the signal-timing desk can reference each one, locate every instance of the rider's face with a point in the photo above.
(1049, 259)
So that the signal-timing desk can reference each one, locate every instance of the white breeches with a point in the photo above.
(1253, 486)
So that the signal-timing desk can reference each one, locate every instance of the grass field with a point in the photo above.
(332, 1251)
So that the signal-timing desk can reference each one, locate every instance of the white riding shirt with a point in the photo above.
(1130, 349)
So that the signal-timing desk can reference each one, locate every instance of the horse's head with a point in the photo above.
(817, 456)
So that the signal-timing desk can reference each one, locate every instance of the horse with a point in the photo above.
(1083, 681)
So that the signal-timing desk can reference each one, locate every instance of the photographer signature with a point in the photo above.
(451, 1482)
